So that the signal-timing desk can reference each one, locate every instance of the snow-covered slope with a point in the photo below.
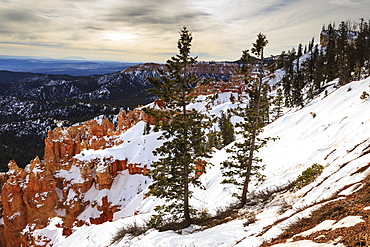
(332, 131)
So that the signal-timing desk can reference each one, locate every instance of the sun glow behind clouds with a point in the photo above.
(119, 36)
(148, 30)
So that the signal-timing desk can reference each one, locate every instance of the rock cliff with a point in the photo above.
(219, 70)
(41, 191)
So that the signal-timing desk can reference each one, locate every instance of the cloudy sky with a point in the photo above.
(147, 30)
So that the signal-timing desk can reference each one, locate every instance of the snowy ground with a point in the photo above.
(336, 138)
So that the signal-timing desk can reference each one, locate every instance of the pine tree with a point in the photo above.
(361, 50)
(226, 129)
(147, 128)
(183, 132)
(298, 80)
(367, 45)
(330, 55)
(244, 164)
(320, 68)
(278, 103)
(288, 78)
(344, 73)
(213, 139)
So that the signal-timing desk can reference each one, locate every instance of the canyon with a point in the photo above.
(33, 195)
(30, 197)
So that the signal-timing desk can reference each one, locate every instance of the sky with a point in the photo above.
(148, 30)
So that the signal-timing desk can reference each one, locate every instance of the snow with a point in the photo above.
(352, 189)
(332, 225)
(333, 138)
(137, 148)
(73, 175)
(52, 232)
(14, 216)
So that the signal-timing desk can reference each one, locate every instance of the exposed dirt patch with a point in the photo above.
(352, 205)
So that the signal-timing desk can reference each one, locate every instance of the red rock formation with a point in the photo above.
(158, 104)
(137, 169)
(127, 120)
(236, 84)
(106, 170)
(221, 69)
(14, 209)
(200, 165)
(39, 241)
(73, 206)
(143, 67)
(62, 144)
(2, 236)
(28, 196)
(39, 194)
(3, 178)
(106, 212)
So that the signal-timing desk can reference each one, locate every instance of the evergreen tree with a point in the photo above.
(232, 98)
(298, 80)
(311, 44)
(319, 69)
(308, 66)
(285, 81)
(330, 55)
(184, 132)
(362, 51)
(278, 103)
(366, 31)
(147, 128)
(226, 129)
(342, 46)
(288, 78)
(280, 60)
(244, 164)
(213, 140)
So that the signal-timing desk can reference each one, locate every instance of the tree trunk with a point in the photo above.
(243, 200)
(186, 165)
(186, 196)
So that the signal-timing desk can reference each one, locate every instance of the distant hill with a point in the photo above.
(31, 104)
(70, 66)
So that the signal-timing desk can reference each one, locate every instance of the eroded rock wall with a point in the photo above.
(30, 197)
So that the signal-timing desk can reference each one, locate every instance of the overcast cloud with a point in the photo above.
(147, 30)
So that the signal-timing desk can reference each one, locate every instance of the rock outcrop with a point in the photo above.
(32, 196)
(14, 208)
(27, 196)
(63, 143)
(3, 178)
(218, 70)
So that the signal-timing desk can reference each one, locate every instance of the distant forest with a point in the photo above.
(343, 52)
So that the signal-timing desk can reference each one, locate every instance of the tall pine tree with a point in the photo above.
(183, 132)
(298, 80)
(244, 163)
(342, 46)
